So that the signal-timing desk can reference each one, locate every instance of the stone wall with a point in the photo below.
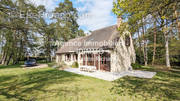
(123, 56)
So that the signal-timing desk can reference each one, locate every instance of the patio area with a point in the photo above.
(108, 76)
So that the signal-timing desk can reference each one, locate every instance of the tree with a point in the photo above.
(154, 46)
(19, 35)
(137, 10)
(66, 24)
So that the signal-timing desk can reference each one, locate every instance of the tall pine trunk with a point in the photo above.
(140, 47)
(166, 37)
(167, 50)
(146, 56)
(2, 57)
(48, 49)
(145, 46)
(154, 47)
(9, 59)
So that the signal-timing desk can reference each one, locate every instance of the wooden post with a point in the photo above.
(86, 59)
(94, 57)
(99, 62)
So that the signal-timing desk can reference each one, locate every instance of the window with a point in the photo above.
(89, 57)
(105, 58)
(105, 61)
(115, 41)
(102, 59)
(76, 56)
(127, 41)
(68, 57)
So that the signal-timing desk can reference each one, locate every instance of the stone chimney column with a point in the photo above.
(119, 21)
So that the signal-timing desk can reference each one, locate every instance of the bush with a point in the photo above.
(136, 66)
(52, 64)
(62, 65)
(75, 65)
(57, 65)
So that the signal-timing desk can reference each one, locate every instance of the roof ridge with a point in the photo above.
(76, 38)
(103, 28)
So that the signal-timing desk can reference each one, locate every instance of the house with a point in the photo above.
(105, 48)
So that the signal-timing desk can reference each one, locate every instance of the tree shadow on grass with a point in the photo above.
(164, 86)
(22, 86)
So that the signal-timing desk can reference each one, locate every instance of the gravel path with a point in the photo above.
(112, 76)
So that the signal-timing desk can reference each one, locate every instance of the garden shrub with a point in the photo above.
(75, 65)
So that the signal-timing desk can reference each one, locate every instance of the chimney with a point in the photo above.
(119, 21)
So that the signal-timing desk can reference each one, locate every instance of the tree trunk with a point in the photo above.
(140, 47)
(49, 55)
(178, 28)
(9, 59)
(48, 49)
(167, 51)
(166, 37)
(146, 56)
(154, 50)
(144, 47)
(4, 59)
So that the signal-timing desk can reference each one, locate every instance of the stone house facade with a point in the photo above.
(106, 49)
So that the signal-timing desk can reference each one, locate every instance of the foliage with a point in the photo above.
(62, 65)
(136, 66)
(155, 26)
(26, 36)
(15, 31)
(52, 64)
(139, 57)
(175, 51)
(58, 66)
(68, 22)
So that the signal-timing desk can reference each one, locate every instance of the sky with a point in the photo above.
(93, 14)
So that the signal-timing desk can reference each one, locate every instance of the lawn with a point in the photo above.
(47, 84)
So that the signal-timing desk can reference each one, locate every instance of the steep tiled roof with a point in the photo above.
(100, 35)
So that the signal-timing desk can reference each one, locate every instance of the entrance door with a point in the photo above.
(84, 59)
(105, 62)
(90, 60)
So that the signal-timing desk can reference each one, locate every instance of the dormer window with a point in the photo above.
(116, 39)
(127, 41)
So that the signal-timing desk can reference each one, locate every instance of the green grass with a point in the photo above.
(47, 84)
(165, 86)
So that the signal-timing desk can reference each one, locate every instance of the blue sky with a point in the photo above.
(94, 14)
